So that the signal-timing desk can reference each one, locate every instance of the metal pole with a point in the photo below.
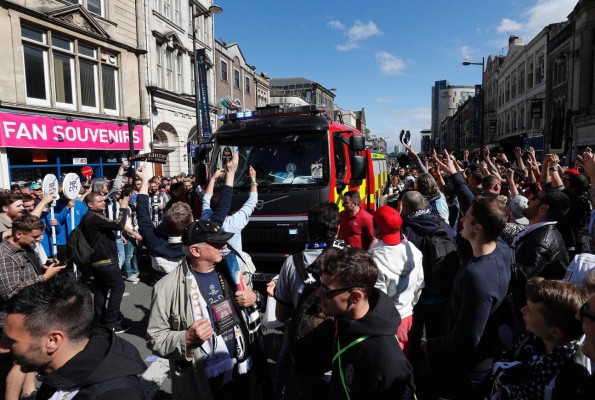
(196, 88)
(131, 168)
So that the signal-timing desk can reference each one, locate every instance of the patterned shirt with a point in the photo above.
(16, 271)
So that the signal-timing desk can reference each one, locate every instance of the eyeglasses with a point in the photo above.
(330, 293)
(586, 314)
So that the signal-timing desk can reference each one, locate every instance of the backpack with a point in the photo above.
(79, 249)
(440, 262)
(310, 330)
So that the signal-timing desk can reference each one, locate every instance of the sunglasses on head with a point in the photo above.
(586, 314)
(330, 293)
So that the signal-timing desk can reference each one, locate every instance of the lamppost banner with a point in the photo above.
(201, 56)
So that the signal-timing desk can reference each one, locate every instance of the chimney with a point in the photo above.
(514, 40)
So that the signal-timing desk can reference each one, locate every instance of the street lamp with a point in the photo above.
(482, 63)
(212, 10)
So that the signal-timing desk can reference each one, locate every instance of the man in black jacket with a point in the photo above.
(539, 249)
(48, 330)
(368, 362)
(99, 232)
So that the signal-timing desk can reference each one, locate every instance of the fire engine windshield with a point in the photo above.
(294, 159)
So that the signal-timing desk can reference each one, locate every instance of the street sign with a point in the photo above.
(71, 186)
(50, 185)
(87, 171)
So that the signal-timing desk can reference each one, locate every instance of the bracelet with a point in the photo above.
(254, 184)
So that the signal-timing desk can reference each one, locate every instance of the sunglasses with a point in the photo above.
(330, 293)
(586, 314)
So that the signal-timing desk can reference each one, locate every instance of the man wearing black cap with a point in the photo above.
(197, 320)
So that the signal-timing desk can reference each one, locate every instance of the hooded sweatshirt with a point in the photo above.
(376, 367)
(417, 225)
(107, 369)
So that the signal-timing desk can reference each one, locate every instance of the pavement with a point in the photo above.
(135, 309)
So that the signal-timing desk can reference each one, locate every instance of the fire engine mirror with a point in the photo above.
(358, 167)
(358, 143)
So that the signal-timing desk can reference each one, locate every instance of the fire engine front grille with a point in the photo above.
(273, 239)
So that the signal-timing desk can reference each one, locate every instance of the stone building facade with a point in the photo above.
(71, 77)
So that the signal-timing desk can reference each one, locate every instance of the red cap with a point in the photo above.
(571, 171)
(389, 222)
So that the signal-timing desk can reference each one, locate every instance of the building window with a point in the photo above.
(177, 19)
(247, 84)
(159, 65)
(541, 70)
(521, 81)
(236, 78)
(93, 6)
(513, 86)
(179, 82)
(530, 76)
(72, 69)
(223, 71)
(169, 69)
(167, 9)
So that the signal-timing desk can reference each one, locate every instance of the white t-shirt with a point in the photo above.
(579, 268)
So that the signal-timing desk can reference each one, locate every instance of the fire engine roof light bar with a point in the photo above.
(310, 109)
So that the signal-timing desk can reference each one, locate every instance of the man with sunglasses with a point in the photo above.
(539, 249)
(198, 323)
(368, 362)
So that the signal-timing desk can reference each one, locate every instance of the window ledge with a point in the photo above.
(168, 21)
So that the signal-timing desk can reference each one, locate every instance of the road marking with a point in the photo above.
(154, 377)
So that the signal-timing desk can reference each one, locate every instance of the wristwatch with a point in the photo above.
(254, 183)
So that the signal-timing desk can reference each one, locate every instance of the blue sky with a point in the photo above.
(383, 56)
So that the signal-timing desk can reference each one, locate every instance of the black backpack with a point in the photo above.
(79, 249)
(441, 263)
(310, 330)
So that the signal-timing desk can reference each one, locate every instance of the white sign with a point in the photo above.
(79, 161)
(71, 186)
(50, 185)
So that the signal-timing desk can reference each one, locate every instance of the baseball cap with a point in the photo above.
(389, 222)
(35, 186)
(517, 204)
(204, 231)
(15, 186)
(570, 172)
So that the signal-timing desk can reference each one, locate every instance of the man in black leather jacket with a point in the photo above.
(539, 250)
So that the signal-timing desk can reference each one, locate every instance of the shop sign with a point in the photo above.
(33, 131)
(79, 161)
(157, 158)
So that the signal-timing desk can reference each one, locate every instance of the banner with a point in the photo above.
(38, 132)
(156, 158)
(207, 130)
(536, 108)
(477, 114)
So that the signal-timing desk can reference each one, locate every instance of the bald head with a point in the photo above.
(413, 201)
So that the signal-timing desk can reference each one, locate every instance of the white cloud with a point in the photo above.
(336, 24)
(467, 52)
(358, 32)
(384, 99)
(509, 26)
(388, 63)
(535, 18)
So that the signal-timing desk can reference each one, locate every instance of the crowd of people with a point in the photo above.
(472, 279)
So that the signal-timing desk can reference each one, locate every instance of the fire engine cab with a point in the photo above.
(301, 157)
